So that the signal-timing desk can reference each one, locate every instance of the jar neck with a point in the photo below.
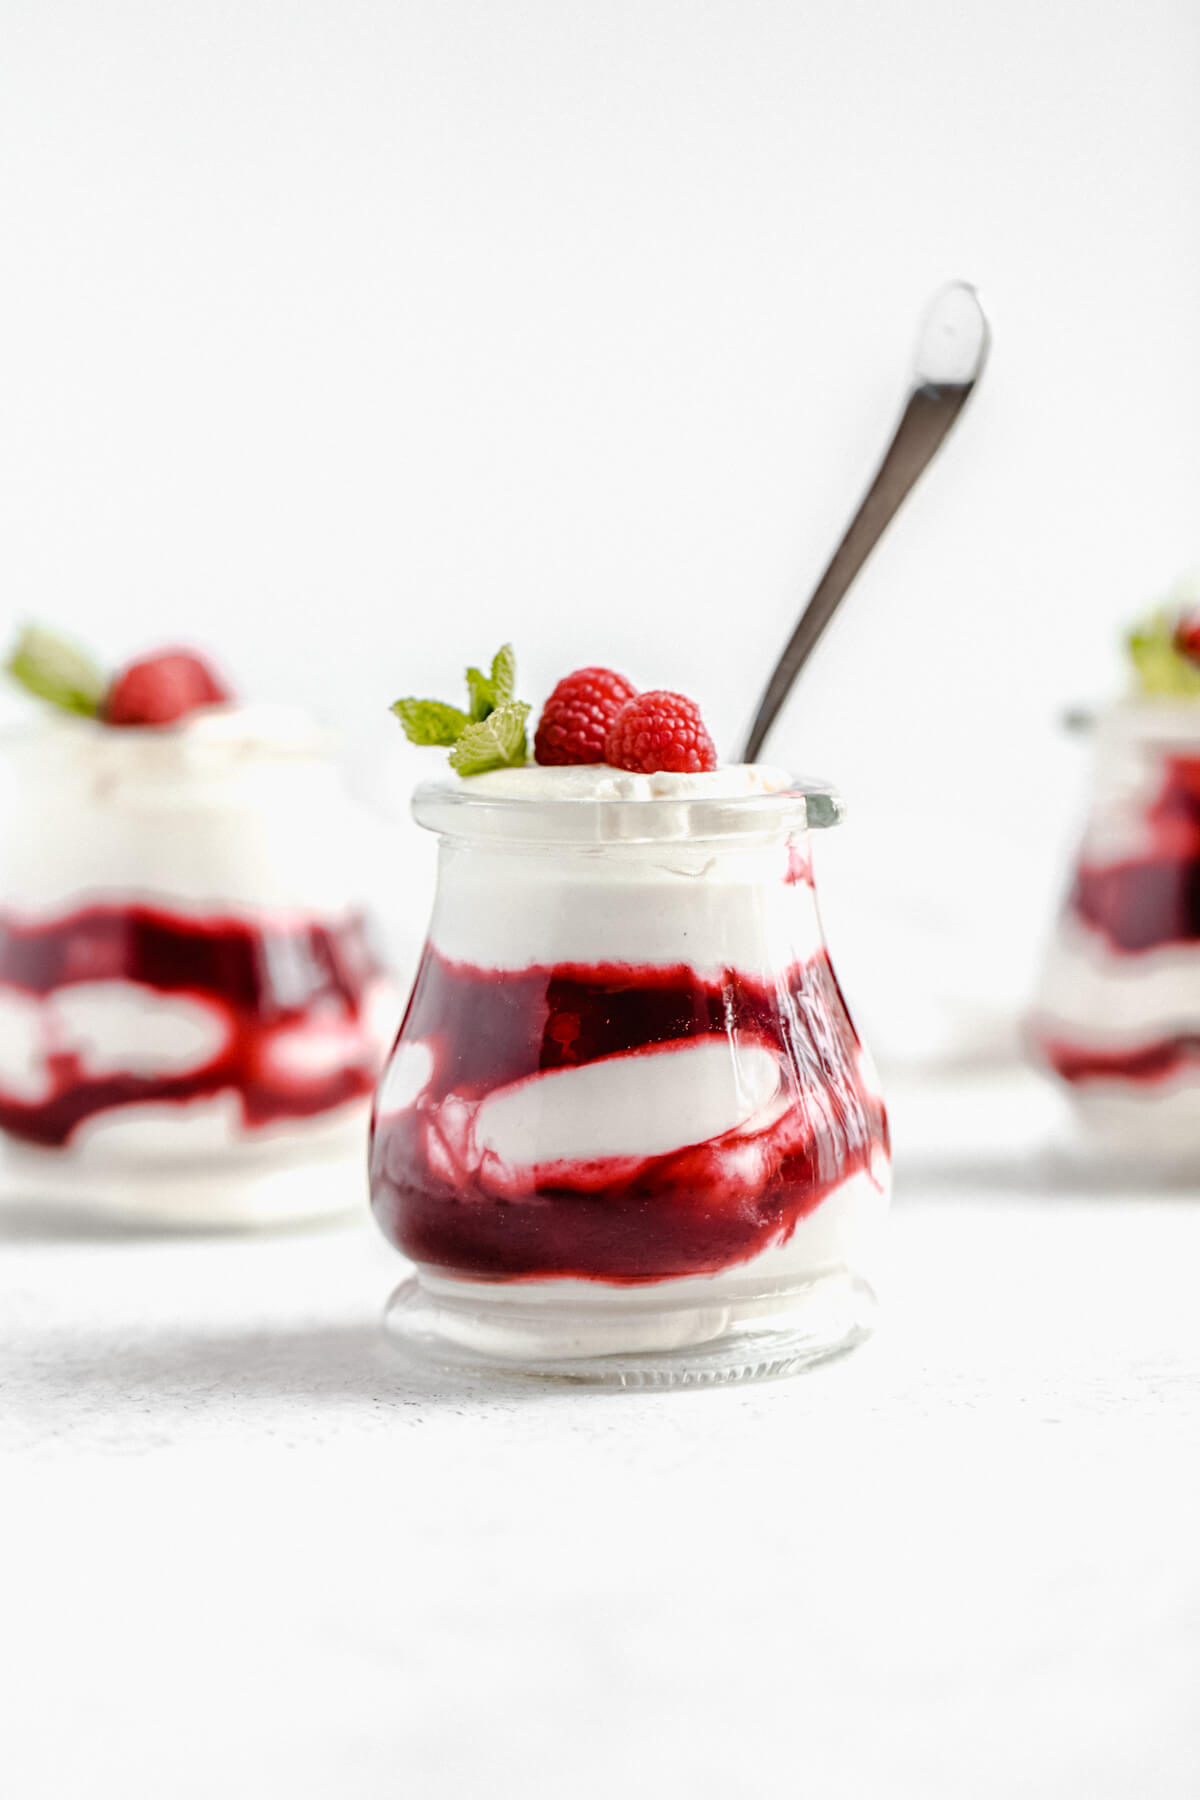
(746, 856)
(1145, 784)
(680, 820)
(711, 906)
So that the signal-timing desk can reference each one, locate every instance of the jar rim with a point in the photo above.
(452, 810)
(1153, 718)
(212, 737)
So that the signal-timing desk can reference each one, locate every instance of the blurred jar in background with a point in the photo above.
(192, 1014)
(1118, 1013)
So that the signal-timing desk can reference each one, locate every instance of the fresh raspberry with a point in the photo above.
(660, 730)
(161, 689)
(1187, 636)
(576, 718)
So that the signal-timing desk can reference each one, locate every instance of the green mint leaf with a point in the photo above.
(487, 692)
(57, 671)
(1161, 669)
(504, 674)
(490, 736)
(497, 742)
(482, 694)
(431, 721)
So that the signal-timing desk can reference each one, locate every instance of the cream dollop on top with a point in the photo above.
(596, 781)
(225, 741)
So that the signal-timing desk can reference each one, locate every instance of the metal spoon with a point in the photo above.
(952, 347)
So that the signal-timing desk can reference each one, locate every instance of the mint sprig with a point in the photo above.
(1161, 669)
(431, 721)
(490, 735)
(497, 742)
(58, 671)
(487, 692)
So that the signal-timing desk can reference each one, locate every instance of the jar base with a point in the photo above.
(1153, 1130)
(629, 1338)
(243, 1193)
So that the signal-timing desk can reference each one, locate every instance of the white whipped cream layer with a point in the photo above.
(647, 1103)
(236, 809)
(661, 897)
(108, 1028)
(644, 905)
(1102, 998)
(208, 1129)
(619, 1109)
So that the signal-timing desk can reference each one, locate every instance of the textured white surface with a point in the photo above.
(245, 1554)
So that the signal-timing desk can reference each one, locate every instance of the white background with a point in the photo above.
(350, 339)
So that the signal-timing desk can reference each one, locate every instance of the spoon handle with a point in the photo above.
(932, 408)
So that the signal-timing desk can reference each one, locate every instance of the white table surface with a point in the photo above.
(244, 1554)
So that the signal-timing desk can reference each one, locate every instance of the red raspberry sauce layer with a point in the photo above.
(696, 1210)
(265, 978)
(1146, 1066)
(1150, 902)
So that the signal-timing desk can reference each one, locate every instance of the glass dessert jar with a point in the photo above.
(192, 1017)
(628, 1133)
(1117, 1017)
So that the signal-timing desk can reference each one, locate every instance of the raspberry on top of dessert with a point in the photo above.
(579, 715)
(593, 715)
(161, 689)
